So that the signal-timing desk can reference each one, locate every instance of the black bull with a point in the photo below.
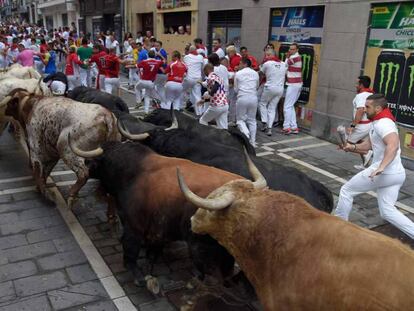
(189, 144)
(90, 95)
(151, 207)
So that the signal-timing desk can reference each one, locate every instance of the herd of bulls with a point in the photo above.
(169, 178)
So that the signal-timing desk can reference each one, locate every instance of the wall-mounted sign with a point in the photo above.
(298, 24)
(392, 26)
(172, 4)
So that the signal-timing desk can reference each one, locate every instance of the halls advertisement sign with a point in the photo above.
(392, 26)
(297, 24)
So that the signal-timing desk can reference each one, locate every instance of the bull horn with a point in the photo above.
(225, 200)
(84, 154)
(5, 101)
(259, 182)
(174, 124)
(39, 87)
(124, 132)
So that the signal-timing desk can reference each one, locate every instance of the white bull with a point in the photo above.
(48, 121)
(20, 72)
(7, 86)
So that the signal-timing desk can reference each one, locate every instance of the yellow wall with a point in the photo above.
(175, 42)
(134, 7)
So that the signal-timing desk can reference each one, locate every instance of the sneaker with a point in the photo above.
(263, 127)
(287, 131)
(295, 131)
(367, 157)
(269, 132)
(359, 167)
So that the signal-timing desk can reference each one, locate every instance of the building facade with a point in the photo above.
(58, 13)
(101, 15)
(337, 44)
(139, 16)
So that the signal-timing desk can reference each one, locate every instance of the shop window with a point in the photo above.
(177, 23)
(226, 26)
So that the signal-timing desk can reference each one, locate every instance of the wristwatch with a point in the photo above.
(353, 125)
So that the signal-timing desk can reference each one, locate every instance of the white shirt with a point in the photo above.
(220, 53)
(275, 73)
(223, 73)
(380, 129)
(65, 35)
(246, 82)
(359, 102)
(115, 44)
(194, 65)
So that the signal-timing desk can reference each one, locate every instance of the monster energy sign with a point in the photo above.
(307, 54)
(389, 75)
(405, 105)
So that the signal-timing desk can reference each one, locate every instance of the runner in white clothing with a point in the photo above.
(246, 82)
(275, 72)
(360, 126)
(194, 63)
(386, 173)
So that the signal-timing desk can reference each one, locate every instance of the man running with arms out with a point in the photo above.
(360, 126)
(386, 173)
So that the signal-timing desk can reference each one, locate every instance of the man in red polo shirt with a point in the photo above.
(98, 57)
(234, 58)
(245, 54)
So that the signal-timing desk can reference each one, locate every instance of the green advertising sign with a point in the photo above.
(392, 26)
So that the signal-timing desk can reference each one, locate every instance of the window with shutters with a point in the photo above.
(226, 26)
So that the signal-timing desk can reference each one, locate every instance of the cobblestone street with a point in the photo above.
(47, 261)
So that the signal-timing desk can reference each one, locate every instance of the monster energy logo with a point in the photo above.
(306, 62)
(410, 86)
(386, 80)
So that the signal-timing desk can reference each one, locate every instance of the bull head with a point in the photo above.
(227, 197)
(12, 95)
(84, 154)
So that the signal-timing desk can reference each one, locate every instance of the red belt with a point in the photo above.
(364, 122)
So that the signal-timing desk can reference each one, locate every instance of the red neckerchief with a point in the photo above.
(386, 113)
(369, 90)
(194, 52)
(268, 58)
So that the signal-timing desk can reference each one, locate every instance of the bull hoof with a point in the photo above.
(71, 201)
(152, 284)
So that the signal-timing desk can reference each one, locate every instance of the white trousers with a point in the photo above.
(360, 132)
(159, 82)
(148, 86)
(173, 95)
(246, 116)
(110, 84)
(73, 81)
(132, 76)
(387, 187)
(292, 96)
(268, 104)
(84, 76)
(219, 114)
(101, 79)
(194, 88)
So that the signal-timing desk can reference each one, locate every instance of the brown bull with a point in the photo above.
(47, 121)
(298, 258)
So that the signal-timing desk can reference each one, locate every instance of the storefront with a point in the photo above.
(303, 25)
(225, 25)
(176, 23)
(389, 61)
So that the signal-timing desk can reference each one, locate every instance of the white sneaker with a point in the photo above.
(368, 157)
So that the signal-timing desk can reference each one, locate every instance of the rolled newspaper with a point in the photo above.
(343, 137)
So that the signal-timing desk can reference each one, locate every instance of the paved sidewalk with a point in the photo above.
(41, 265)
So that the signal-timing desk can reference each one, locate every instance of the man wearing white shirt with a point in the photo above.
(195, 64)
(246, 82)
(217, 48)
(275, 72)
(386, 174)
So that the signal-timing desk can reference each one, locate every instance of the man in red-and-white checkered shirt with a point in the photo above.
(218, 108)
(294, 87)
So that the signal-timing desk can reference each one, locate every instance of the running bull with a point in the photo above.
(150, 205)
(90, 95)
(190, 145)
(47, 122)
(298, 258)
